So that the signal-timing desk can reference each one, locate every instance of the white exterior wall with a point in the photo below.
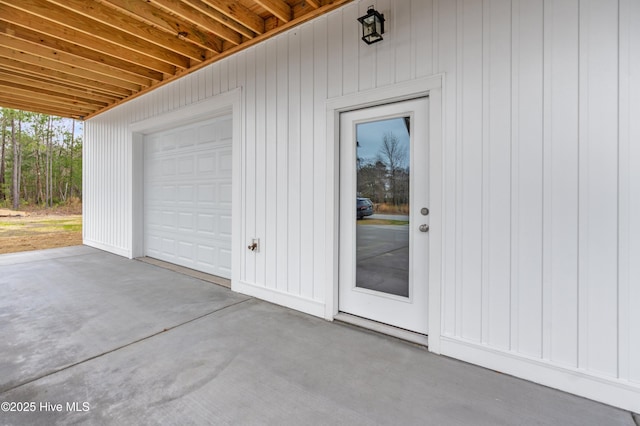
(541, 173)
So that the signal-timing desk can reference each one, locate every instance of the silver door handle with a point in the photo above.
(424, 227)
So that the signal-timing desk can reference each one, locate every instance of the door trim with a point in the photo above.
(408, 311)
(431, 87)
(225, 103)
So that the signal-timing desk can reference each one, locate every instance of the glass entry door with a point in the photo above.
(384, 214)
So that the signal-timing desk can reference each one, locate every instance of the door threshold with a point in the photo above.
(399, 333)
(214, 279)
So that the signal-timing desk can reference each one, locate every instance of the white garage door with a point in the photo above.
(187, 196)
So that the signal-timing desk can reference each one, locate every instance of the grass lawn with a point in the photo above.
(39, 232)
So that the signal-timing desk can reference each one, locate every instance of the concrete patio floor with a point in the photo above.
(132, 343)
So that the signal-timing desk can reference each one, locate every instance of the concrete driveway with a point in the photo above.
(88, 337)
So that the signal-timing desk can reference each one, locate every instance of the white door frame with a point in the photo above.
(408, 312)
(428, 86)
(230, 102)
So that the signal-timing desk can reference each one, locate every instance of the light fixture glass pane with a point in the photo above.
(368, 28)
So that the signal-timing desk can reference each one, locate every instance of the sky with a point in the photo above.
(369, 136)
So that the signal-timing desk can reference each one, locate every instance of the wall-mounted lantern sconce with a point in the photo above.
(372, 26)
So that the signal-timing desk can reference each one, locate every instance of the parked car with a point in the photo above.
(364, 207)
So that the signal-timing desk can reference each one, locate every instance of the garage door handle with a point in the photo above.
(424, 227)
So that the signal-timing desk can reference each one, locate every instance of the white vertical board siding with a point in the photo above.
(560, 202)
(497, 169)
(598, 194)
(470, 174)
(541, 172)
(107, 192)
(527, 150)
(629, 202)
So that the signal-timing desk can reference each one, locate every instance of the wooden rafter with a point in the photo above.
(79, 63)
(41, 85)
(106, 19)
(58, 16)
(61, 78)
(314, 3)
(50, 64)
(185, 11)
(46, 30)
(279, 8)
(164, 21)
(77, 58)
(231, 14)
(57, 45)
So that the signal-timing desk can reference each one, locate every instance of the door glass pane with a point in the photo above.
(382, 206)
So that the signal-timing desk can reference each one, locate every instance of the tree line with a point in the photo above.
(40, 159)
(385, 179)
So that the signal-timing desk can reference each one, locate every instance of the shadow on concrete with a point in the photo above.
(121, 342)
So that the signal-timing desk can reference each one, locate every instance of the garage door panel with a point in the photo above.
(168, 142)
(168, 194)
(224, 257)
(207, 195)
(152, 145)
(225, 227)
(167, 245)
(186, 222)
(221, 130)
(188, 196)
(168, 166)
(185, 138)
(153, 243)
(224, 162)
(186, 250)
(185, 194)
(225, 194)
(206, 223)
(206, 165)
(168, 220)
(226, 130)
(153, 195)
(185, 166)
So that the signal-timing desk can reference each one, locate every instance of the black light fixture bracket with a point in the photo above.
(372, 26)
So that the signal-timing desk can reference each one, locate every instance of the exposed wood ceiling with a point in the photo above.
(77, 58)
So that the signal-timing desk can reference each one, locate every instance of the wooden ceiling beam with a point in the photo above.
(27, 96)
(9, 102)
(29, 58)
(82, 40)
(206, 10)
(179, 8)
(56, 44)
(58, 16)
(233, 12)
(23, 80)
(97, 12)
(71, 60)
(65, 85)
(279, 8)
(47, 95)
(79, 58)
(167, 22)
(314, 3)
(326, 8)
(39, 70)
